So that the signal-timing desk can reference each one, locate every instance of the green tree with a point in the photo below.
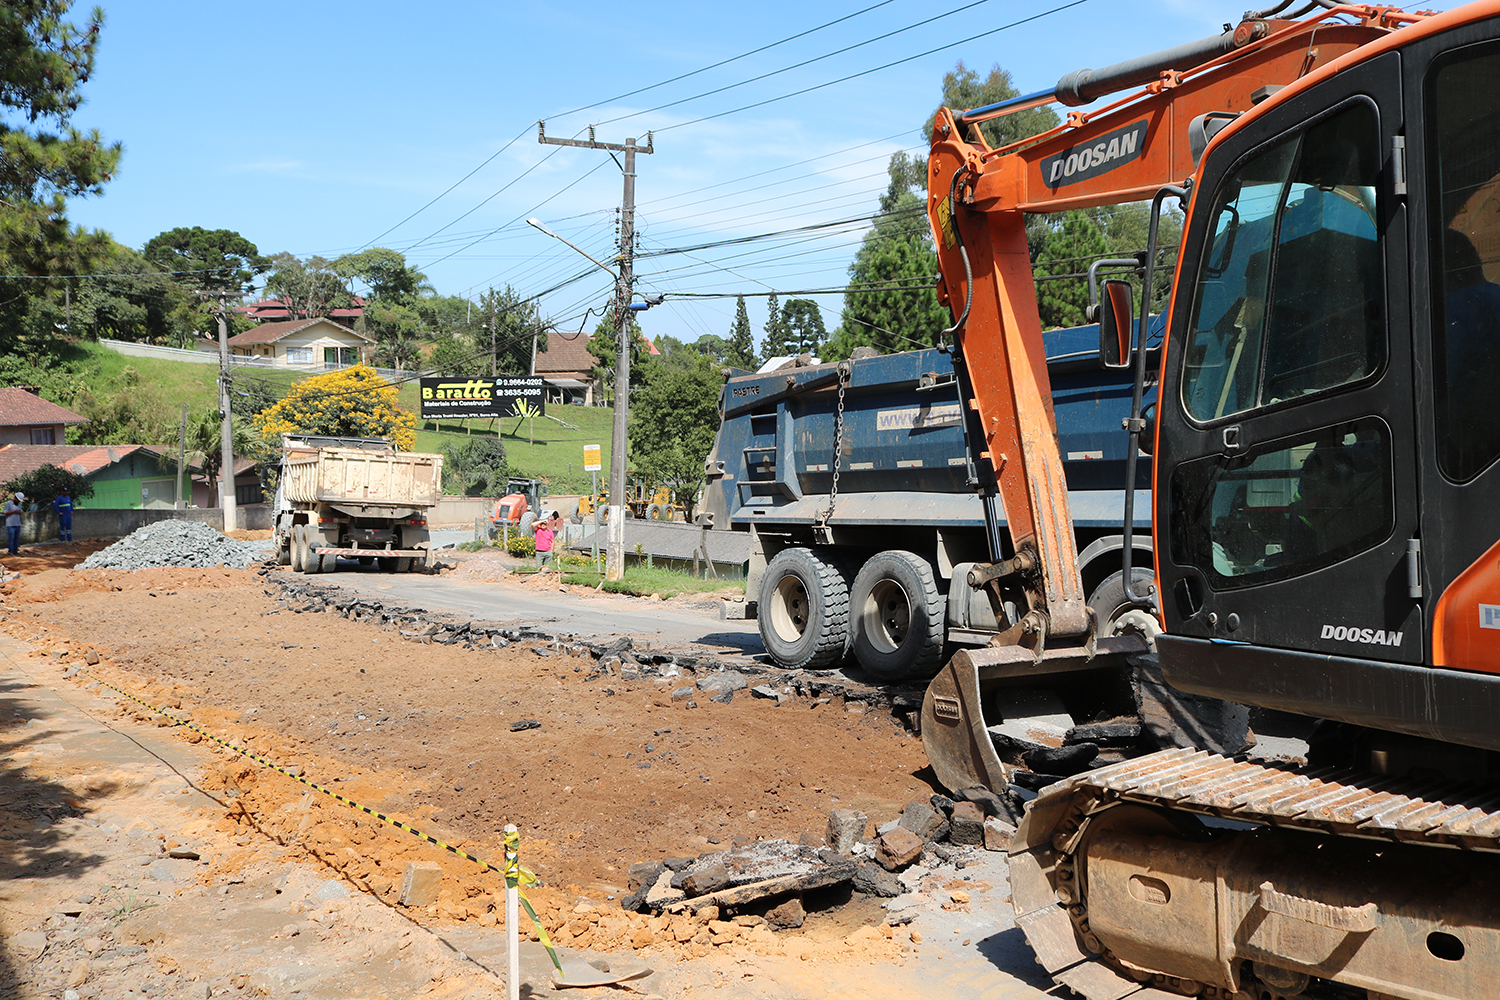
(44, 61)
(453, 356)
(802, 321)
(310, 288)
(773, 334)
(962, 88)
(741, 350)
(46, 483)
(714, 347)
(1072, 240)
(475, 466)
(206, 444)
(890, 304)
(214, 260)
(509, 322)
(129, 300)
(384, 272)
(674, 416)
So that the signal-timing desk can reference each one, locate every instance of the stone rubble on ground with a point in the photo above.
(176, 543)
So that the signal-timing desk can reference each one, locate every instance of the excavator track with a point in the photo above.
(1190, 873)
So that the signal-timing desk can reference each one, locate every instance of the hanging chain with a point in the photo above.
(838, 441)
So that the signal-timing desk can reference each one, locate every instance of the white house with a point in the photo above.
(303, 342)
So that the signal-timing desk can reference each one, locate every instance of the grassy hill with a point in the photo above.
(548, 450)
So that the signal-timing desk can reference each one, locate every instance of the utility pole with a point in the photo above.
(181, 456)
(614, 566)
(226, 429)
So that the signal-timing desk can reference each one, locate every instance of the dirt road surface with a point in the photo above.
(141, 859)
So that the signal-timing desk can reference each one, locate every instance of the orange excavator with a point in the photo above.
(1325, 500)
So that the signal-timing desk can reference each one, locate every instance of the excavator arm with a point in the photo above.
(978, 199)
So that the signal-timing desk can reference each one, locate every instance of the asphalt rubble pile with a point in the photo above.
(697, 677)
(186, 544)
(779, 882)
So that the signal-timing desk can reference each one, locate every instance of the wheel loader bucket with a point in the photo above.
(954, 731)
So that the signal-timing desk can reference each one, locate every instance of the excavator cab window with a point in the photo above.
(1466, 247)
(1286, 508)
(1271, 322)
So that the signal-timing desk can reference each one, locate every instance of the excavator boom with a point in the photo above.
(1326, 458)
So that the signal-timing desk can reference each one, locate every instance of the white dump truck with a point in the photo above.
(358, 498)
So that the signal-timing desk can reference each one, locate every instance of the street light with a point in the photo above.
(614, 566)
(537, 225)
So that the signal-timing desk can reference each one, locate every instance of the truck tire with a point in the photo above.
(577, 516)
(896, 615)
(386, 564)
(804, 609)
(283, 549)
(299, 548)
(404, 564)
(654, 513)
(528, 524)
(1116, 612)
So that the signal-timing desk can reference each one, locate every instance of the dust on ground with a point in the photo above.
(617, 772)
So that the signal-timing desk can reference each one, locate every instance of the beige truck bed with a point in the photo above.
(352, 475)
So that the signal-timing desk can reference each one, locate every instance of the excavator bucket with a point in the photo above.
(954, 731)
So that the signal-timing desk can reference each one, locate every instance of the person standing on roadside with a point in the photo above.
(546, 531)
(64, 507)
(12, 512)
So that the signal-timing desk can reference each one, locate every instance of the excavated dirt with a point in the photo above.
(618, 771)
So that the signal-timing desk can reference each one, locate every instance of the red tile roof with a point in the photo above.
(19, 408)
(278, 309)
(269, 333)
(565, 355)
(84, 459)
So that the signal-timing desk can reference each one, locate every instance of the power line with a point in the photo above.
(877, 69)
(455, 184)
(799, 65)
(726, 62)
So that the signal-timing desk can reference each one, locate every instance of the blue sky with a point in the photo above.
(322, 127)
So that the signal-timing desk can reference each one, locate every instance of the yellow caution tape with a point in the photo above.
(515, 876)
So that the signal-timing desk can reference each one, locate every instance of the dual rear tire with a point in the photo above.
(890, 617)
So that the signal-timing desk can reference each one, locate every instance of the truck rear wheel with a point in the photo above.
(299, 548)
(896, 616)
(283, 549)
(804, 609)
(387, 564)
(1117, 612)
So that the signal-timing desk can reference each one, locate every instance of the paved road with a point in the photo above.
(553, 611)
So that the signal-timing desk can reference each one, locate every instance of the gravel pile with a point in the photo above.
(176, 543)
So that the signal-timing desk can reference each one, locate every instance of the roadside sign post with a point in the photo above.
(592, 465)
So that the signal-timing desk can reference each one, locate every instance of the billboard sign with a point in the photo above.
(454, 398)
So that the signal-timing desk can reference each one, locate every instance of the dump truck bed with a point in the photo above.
(353, 475)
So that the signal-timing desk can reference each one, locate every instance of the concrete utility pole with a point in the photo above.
(614, 565)
(226, 429)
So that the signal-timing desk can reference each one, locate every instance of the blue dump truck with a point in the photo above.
(859, 491)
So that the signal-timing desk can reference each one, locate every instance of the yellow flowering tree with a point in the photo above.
(351, 402)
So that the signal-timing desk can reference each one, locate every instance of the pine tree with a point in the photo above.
(802, 323)
(774, 344)
(741, 343)
(44, 61)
